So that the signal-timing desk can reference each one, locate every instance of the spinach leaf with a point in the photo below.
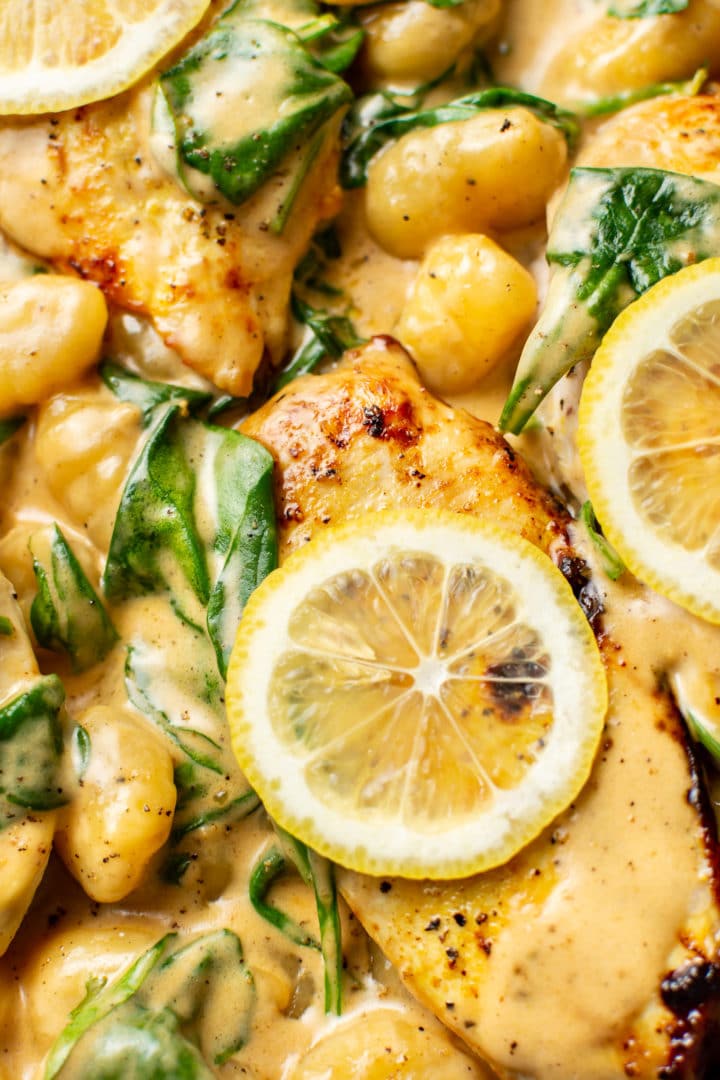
(6, 627)
(333, 38)
(155, 545)
(100, 998)
(319, 872)
(392, 120)
(9, 427)
(196, 981)
(327, 337)
(612, 564)
(643, 9)
(31, 744)
(266, 871)
(616, 233)
(149, 395)
(67, 614)
(208, 544)
(242, 100)
(210, 786)
(244, 539)
(310, 271)
(133, 1043)
(146, 1024)
(605, 105)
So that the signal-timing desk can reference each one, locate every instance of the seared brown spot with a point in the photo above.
(690, 986)
(513, 697)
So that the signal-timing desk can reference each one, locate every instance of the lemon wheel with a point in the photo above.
(649, 437)
(418, 695)
(57, 56)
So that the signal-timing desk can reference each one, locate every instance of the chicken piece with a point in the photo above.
(370, 435)
(678, 133)
(592, 954)
(83, 189)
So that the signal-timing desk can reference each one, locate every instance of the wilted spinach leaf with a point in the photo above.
(242, 100)
(207, 543)
(67, 615)
(31, 745)
(616, 233)
(643, 9)
(166, 1016)
(148, 395)
(327, 337)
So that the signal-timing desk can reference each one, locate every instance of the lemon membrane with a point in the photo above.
(421, 680)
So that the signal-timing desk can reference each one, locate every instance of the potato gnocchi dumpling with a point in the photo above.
(50, 333)
(414, 41)
(494, 172)
(123, 811)
(468, 305)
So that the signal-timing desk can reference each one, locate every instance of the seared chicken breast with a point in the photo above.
(84, 190)
(592, 954)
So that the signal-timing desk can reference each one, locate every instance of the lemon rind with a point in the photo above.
(604, 455)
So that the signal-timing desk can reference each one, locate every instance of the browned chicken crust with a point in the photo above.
(507, 957)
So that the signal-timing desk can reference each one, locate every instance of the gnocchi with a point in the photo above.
(50, 333)
(412, 40)
(468, 304)
(494, 172)
(122, 813)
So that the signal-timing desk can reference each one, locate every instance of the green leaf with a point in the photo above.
(196, 982)
(241, 100)
(208, 544)
(155, 545)
(616, 233)
(66, 614)
(31, 744)
(81, 749)
(209, 783)
(149, 395)
(263, 875)
(695, 692)
(100, 998)
(391, 120)
(133, 1043)
(614, 103)
(319, 872)
(327, 338)
(144, 1025)
(643, 9)
(240, 503)
(612, 564)
(9, 427)
(6, 627)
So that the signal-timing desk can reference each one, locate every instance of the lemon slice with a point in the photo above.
(649, 437)
(418, 694)
(57, 56)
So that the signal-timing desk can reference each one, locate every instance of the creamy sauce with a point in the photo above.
(563, 922)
